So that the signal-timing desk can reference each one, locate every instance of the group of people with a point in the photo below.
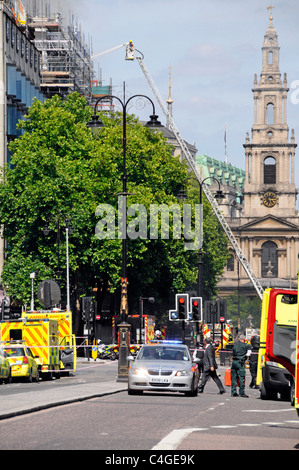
(241, 351)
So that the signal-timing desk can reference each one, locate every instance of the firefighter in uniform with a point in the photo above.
(241, 351)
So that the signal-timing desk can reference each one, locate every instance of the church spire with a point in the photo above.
(271, 13)
(170, 100)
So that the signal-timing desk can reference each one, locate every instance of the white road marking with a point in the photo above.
(249, 424)
(174, 438)
(268, 411)
(224, 426)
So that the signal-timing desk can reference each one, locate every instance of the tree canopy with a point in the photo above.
(59, 169)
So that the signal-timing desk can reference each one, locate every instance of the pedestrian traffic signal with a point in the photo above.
(196, 308)
(182, 306)
(173, 315)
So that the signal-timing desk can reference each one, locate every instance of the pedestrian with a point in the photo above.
(199, 354)
(209, 368)
(241, 351)
(253, 360)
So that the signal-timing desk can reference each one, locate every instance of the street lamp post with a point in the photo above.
(182, 196)
(95, 125)
(68, 230)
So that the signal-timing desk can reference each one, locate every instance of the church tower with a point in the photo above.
(268, 228)
(270, 180)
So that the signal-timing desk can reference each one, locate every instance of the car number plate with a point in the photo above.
(159, 380)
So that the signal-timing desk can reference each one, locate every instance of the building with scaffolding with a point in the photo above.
(40, 55)
(66, 64)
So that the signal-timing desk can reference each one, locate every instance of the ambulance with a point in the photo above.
(49, 336)
(276, 359)
(41, 336)
(67, 340)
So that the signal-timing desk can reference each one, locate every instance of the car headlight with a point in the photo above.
(183, 373)
(139, 372)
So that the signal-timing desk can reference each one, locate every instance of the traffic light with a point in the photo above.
(196, 308)
(86, 308)
(221, 310)
(182, 306)
(210, 311)
(215, 311)
(5, 309)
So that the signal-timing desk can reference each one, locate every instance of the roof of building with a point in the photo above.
(226, 173)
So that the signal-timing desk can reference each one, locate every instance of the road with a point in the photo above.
(153, 421)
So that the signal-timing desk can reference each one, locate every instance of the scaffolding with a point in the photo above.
(66, 64)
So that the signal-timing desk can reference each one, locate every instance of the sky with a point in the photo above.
(214, 50)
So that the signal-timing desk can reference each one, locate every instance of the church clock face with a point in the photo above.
(269, 199)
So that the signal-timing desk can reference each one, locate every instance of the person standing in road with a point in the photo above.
(209, 368)
(253, 360)
(199, 354)
(241, 351)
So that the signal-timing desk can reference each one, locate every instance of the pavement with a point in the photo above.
(26, 402)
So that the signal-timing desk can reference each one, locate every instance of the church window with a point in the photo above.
(231, 263)
(269, 259)
(270, 113)
(269, 170)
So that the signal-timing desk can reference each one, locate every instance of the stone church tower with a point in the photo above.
(268, 229)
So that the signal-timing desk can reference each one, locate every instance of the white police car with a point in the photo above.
(163, 366)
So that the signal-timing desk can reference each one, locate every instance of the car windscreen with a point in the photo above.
(167, 353)
(15, 352)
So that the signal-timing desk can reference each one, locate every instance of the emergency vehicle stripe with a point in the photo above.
(34, 339)
(64, 329)
(5, 328)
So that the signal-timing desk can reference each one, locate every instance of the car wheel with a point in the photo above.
(29, 378)
(292, 394)
(9, 378)
(37, 376)
(267, 394)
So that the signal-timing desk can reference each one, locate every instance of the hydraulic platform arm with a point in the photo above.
(186, 153)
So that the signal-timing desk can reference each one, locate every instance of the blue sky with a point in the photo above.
(214, 50)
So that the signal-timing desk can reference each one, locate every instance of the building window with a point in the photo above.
(22, 47)
(17, 42)
(12, 35)
(269, 170)
(270, 113)
(269, 260)
(270, 58)
(231, 263)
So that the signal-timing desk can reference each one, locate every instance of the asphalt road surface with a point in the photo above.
(153, 421)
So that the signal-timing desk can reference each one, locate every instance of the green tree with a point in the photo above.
(59, 169)
(239, 308)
